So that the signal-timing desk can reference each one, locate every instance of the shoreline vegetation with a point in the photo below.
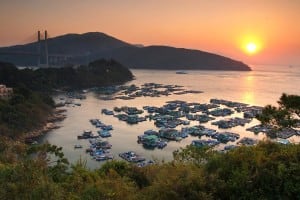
(46, 80)
(31, 112)
(264, 171)
(56, 116)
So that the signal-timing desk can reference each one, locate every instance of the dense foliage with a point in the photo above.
(287, 114)
(24, 111)
(97, 73)
(30, 104)
(265, 171)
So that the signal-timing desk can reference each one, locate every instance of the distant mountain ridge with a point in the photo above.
(95, 45)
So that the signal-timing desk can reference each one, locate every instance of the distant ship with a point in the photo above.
(181, 72)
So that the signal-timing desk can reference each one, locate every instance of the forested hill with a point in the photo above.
(95, 45)
(97, 73)
(165, 57)
(30, 106)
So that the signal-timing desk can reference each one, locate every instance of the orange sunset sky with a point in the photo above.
(219, 26)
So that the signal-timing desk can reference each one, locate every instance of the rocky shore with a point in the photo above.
(51, 123)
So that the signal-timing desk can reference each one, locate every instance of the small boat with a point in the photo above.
(104, 133)
(87, 134)
(77, 146)
(106, 127)
(107, 112)
(282, 141)
(181, 72)
(131, 156)
(161, 144)
(89, 150)
(104, 156)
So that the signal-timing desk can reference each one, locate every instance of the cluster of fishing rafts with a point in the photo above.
(104, 129)
(102, 132)
(152, 141)
(99, 149)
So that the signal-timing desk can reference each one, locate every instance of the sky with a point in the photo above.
(224, 27)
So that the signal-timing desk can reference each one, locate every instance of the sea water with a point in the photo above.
(259, 87)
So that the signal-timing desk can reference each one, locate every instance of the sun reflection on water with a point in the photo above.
(248, 95)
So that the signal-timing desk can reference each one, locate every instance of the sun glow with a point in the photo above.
(251, 47)
(251, 44)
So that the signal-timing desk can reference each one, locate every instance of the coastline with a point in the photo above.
(57, 115)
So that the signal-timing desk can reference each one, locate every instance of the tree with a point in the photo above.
(290, 103)
(285, 116)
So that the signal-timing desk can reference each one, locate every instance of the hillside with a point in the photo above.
(97, 73)
(81, 48)
(164, 57)
(30, 105)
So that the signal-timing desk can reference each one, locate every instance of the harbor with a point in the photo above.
(155, 126)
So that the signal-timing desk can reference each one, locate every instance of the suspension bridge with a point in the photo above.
(43, 58)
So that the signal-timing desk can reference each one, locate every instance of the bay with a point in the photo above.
(262, 86)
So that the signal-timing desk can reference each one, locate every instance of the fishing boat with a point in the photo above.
(77, 146)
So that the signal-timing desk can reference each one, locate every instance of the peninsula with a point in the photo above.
(29, 107)
(97, 73)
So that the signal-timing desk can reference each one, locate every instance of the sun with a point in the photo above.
(251, 44)
(251, 47)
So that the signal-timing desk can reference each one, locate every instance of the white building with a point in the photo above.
(5, 92)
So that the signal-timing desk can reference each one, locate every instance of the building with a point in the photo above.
(5, 92)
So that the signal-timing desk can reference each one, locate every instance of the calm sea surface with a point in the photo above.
(259, 87)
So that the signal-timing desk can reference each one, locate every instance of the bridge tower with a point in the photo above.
(40, 52)
(46, 48)
(39, 49)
